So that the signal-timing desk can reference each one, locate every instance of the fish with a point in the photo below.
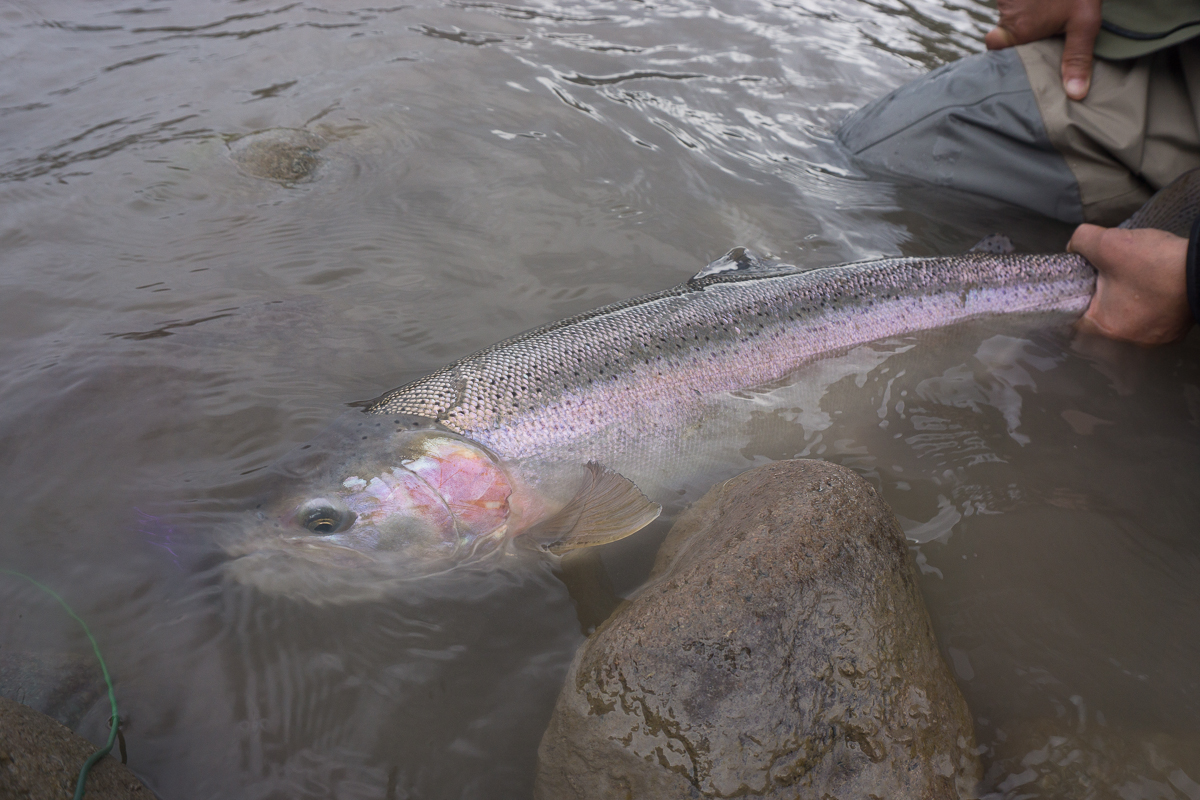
(551, 436)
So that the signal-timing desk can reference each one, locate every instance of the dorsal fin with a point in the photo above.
(607, 507)
(996, 243)
(740, 263)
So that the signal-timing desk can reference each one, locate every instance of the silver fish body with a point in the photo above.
(573, 433)
(594, 386)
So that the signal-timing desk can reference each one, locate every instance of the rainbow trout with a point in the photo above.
(551, 435)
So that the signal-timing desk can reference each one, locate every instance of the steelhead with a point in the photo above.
(553, 435)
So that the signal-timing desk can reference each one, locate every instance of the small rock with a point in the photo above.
(40, 760)
(786, 652)
(286, 155)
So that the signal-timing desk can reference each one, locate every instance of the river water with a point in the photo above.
(173, 320)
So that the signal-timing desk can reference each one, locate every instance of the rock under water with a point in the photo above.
(40, 760)
(1069, 759)
(60, 685)
(286, 155)
(784, 651)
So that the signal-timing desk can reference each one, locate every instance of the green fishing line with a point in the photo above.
(112, 697)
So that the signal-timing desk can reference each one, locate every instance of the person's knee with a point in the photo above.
(972, 125)
(922, 104)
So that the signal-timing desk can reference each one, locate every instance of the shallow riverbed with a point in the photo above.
(173, 320)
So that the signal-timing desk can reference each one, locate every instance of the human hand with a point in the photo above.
(1141, 288)
(1024, 21)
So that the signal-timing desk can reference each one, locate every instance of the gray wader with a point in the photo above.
(1000, 124)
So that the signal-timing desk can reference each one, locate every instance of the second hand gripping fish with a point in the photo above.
(548, 434)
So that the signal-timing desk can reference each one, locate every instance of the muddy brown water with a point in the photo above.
(222, 222)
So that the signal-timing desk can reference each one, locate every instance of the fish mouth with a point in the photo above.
(324, 572)
(326, 553)
(322, 551)
(306, 548)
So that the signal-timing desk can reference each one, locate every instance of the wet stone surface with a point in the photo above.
(784, 649)
(61, 685)
(40, 760)
(285, 155)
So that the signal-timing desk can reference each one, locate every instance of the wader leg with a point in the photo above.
(972, 125)
(999, 124)
(1136, 131)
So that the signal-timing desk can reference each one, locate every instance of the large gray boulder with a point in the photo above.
(784, 652)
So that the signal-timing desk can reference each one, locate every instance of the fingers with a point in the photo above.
(1081, 29)
(999, 38)
(1077, 80)
(1140, 286)
(1024, 21)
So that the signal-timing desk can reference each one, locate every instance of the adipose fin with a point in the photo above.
(996, 244)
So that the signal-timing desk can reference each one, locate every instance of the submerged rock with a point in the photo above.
(61, 685)
(785, 651)
(286, 155)
(1067, 759)
(40, 760)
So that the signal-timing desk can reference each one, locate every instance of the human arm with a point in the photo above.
(1024, 21)
(1141, 288)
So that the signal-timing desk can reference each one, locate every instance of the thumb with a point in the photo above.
(999, 38)
(1077, 54)
(1086, 240)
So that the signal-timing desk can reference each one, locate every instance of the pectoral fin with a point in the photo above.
(607, 507)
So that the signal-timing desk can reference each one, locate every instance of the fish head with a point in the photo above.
(438, 495)
(393, 492)
(380, 498)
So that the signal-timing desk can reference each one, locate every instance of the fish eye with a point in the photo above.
(323, 517)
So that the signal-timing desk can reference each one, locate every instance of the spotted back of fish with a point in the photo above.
(739, 323)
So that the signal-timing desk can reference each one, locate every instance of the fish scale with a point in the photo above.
(740, 323)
